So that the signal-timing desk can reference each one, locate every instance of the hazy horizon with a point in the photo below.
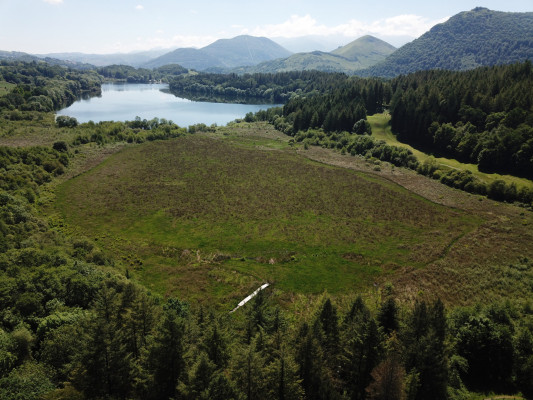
(125, 26)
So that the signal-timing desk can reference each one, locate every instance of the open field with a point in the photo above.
(209, 218)
(381, 130)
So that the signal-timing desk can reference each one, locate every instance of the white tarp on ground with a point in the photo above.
(247, 299)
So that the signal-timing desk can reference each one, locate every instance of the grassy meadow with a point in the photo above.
(6, 87)
(209, 219)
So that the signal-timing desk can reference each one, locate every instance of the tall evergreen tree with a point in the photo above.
(166, 355)
(388, 316)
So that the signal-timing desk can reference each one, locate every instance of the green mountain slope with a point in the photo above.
(187, 57)
(245, 50)
(361, 53)
(25, 57)
(367, 50)
(316, 60)
(100, 60)
(470, 39)
(224, 53)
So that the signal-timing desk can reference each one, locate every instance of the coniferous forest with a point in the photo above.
(481, 116)
(73, 325)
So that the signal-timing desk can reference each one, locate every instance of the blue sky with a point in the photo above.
(108, 26)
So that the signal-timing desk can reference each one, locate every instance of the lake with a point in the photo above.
(124, 102)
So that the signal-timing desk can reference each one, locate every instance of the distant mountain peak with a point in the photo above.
(367, 49)
(360, 53)
(242, 50)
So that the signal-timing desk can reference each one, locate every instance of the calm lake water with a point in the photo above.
(124, 102)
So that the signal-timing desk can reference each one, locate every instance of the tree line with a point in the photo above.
(125, 73)
(101, 336)
(276, 88)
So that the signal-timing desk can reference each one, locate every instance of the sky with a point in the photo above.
(121, 26)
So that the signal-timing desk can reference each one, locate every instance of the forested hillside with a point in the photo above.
(483, 116)
(43, 87)
(468, 40)
(272, 88)
(367, 50)
(141, 75)
(313, 61)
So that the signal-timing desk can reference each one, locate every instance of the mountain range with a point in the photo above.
(223, 54)
(135, 59)
(20, 56)
(470, 39)
(359, 54)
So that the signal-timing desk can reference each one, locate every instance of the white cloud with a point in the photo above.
(296, 26)
(139, 7)
(400, 26)
(53, 1)
(404, 25)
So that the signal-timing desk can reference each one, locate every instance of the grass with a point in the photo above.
(209, 219)
(6, 87)
(38, 132)
(381, 130)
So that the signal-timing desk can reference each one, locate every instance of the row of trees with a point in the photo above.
(357, 143)
(272, 88)
(125, 73)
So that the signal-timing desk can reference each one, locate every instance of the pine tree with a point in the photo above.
(388, 377)
(166, 355)
(104, 362)
(388, 316)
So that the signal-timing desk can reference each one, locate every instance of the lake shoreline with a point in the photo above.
(128, 101)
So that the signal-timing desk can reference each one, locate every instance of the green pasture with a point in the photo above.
(204, 219)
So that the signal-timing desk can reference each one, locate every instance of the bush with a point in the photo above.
(60, 146)
(64, 121)
(497, 190)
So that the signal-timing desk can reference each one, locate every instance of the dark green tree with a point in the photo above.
(388, 316)
(166, 355)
